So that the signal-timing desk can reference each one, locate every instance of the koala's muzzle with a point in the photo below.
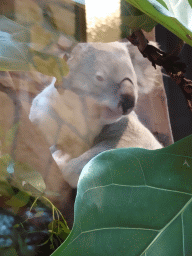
(127, 97)
(127, 102)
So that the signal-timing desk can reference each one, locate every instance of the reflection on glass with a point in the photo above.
(103, 20)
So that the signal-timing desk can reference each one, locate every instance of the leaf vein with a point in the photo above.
(183, 231)
(169, 223)
(110, 228)
(139, 186)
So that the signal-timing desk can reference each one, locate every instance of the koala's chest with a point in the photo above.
(77, 122)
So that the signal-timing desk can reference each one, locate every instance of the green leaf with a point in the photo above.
(59, 228)
(59, 224)
(134, 202)
(49, 65)
(8, 252)
(29, 179)
(18, 200)
(133, 19)
(174, 15)
(138, 22)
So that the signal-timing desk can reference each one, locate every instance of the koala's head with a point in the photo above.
(104, 71)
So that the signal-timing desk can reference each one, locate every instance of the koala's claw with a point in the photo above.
(69, 168)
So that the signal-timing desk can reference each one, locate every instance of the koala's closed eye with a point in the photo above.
(99, 78)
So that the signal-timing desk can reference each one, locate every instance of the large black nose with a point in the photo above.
(127, 102)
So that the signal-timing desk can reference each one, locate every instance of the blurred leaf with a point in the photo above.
(28, 12)
(133, 201)
(27, 49)
(4, 163)
(50, 65)
(19, 33)
(56, 14)
(40, 37)
(24, 172)
(18, 200)
(21, 243)
(13, 54)
(10, 135)
(6, 189)
(8, 252)
(16, 226)
(133, 19)
(25, 186)
(23, 247)
(138, 22)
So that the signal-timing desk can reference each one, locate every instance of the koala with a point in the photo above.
(94, 108)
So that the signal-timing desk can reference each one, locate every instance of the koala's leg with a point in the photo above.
(72, 169)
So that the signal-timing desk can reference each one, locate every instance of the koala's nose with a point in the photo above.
(127, 98)
(127, 102)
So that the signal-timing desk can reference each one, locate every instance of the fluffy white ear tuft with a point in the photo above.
(147, 75)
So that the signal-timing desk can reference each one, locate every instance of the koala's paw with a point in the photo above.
(70, 168)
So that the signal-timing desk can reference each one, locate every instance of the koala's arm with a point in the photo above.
(107, 139)
(128, 132)
(72, 169)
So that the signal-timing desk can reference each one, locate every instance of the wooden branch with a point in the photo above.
(171, 63)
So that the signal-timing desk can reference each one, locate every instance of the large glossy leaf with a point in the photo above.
(134, 202)
(173, 14)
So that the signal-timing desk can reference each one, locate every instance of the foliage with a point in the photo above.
(173, 15)
(27, 44)
(134, 201)
(27, 49)
(20, 187)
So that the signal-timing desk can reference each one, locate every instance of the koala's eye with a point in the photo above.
(99, 78)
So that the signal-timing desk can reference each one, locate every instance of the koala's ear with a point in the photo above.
(66, 56)
(146, 73)
(77, 54)
(79, 49)
(126, 45)
(135, 53)
(130, 48)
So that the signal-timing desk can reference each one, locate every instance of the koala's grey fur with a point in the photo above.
(97, 113)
